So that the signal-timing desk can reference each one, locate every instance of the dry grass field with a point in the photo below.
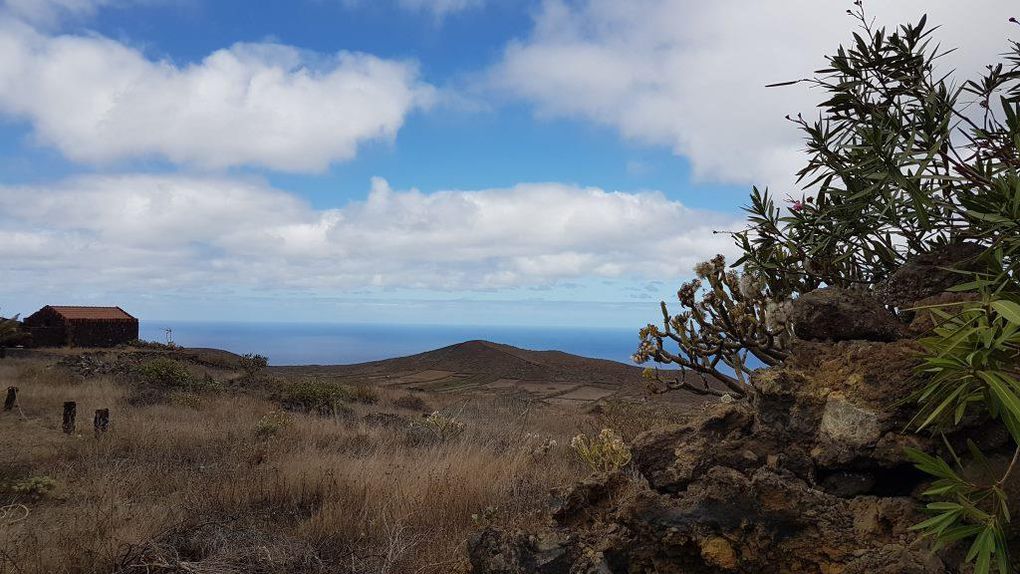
(217, 480)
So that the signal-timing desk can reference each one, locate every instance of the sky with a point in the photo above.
(502, 162)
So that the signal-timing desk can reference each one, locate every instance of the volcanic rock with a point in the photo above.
(833, 314)
(808, 476)
(930, 274)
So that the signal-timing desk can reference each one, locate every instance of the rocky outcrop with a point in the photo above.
(930, 273)
(833, 314)
(808, 477)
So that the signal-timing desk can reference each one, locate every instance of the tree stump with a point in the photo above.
(70, 411)
(101, 423)
(12, 398)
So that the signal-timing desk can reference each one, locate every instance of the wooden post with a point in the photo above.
(12, 398)
(70, 410)
(101, 423)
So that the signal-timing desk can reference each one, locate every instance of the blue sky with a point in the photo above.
(546, 162)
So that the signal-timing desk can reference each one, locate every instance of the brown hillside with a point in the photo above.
(484, 366)
(510, 362)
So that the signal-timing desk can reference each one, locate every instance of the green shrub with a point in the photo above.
(10, 331)
(971, 364)
(441, 427)
(35, 487)
(166, 374)
(153, 345)
(314, 396)
(272, 424)
(252, 365)
(604, 452)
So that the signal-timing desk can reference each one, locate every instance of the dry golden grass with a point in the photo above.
(226, 483)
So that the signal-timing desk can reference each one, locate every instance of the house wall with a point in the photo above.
(101, 333)
(47, 328)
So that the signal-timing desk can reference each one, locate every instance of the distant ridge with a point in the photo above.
(485, 367)
(493, 360)
(506, 361)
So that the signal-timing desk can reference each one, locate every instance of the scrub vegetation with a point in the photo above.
(275, 476)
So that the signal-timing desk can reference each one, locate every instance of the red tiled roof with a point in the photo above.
(104, 313)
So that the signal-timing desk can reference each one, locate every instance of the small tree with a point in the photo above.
(717, 330)
(252, 365)
(10, 333)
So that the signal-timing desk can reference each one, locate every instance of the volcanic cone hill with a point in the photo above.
(484, 366)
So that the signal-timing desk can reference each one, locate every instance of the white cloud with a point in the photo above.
(144, 233)
(99, 101)
(441, 8)
(437, 8)
(691, 74)
(49, 11)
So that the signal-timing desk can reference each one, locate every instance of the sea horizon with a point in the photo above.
(319, 343)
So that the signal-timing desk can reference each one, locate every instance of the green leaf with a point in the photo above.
(1002, 392)
(932, 465)
(981, 545)
(945, 506)
(1008, 309)
(939, 490)
(948, 402)
(937, 524)
(959, 532)
(971, 285)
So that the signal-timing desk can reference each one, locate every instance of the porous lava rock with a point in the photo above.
(834, 314)
(930, 273)
(807, 477)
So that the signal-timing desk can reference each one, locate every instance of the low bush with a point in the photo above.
(164, 377)
(34, 488)
(629, 418)
(154, 345)
(252, 365)
(441, 427)
(165, 373)
(604, 452)
(11, 332)
(314, 396)
(364, 394)
(272, 423)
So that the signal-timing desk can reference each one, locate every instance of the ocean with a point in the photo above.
(329, 344)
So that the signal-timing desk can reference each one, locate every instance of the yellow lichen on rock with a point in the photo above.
(717, 551)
